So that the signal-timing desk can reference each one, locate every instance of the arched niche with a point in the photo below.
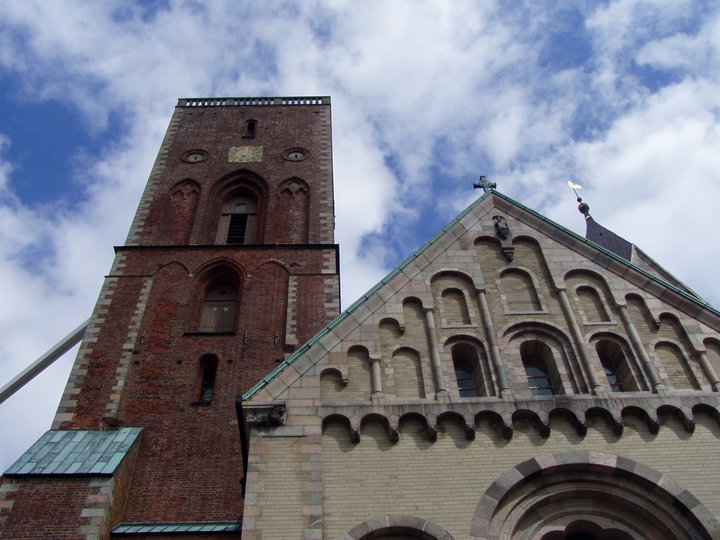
(454, 294)
(359, 382)
(519, 291)
(676, 366)
(592, 307)
(178, 220)
(712, 346)
(293, 206)
(407, 373)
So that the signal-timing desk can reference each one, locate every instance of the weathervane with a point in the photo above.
(583, 207)
(484, 184)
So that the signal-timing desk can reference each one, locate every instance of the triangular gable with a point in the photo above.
(460, 231)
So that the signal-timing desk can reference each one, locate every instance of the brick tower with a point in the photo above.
(229, 265)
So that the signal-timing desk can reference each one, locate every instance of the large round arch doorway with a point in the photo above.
(589, 496)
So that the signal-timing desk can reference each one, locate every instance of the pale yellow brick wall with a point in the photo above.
(276, 488)
(443, 481)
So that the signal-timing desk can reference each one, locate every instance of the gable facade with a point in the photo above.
(508, 380)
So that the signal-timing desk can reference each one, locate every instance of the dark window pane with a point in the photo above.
(237, 228)
(538, 377)
(612, 375)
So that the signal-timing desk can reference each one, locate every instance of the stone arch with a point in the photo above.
(241, 184)
(397, 527)
(557, 352)
(293, 205)
(546, 494)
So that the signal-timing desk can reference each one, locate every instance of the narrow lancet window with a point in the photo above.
(208, 373)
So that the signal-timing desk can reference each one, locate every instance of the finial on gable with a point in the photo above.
(583, 207)
(599, 234)
(484, 184)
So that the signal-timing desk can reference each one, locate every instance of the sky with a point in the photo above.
(621, 97)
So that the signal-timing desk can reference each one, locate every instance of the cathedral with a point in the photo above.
(510, 379)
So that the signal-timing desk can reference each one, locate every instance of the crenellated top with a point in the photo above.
(252, 101)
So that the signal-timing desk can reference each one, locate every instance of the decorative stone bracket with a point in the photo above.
(266, 416)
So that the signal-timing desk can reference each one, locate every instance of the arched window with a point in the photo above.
(538, 376)
(218, 310)
(615, 365)
(208, 373)
(465, 362)
(611, 372)
(238, 221)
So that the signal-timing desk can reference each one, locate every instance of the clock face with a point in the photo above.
(194, 156)
(295, 154)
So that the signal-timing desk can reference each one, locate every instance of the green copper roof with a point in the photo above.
(76, 452)
(178, 527)
(281, 367)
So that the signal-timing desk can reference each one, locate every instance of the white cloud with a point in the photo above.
(426, 97)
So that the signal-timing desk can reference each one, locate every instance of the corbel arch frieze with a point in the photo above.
(648, 416)
(613, 417)
(579, 422)
(500, 416)
(683, 413)
(465, 421)
(540, 420)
